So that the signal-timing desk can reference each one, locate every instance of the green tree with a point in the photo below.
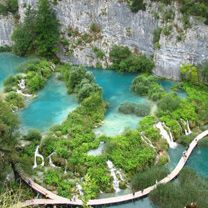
(8, 124)
(47, 30)
(24, 34)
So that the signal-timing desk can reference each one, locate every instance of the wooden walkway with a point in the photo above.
(54, 199)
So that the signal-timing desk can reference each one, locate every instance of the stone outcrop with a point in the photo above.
(118, 25)
(6, 28)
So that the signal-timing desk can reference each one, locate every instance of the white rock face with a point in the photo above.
(6, 28)
(120, 26)
(172, 53)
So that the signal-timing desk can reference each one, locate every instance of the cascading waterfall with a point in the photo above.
(186, 127)
(79, 189)
(50, 160)
(113, 172)
(166, 134)
(21, 84)
(65, 171)
(37, 154)
(147, 141)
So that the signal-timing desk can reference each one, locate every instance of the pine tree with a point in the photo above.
(47, 30)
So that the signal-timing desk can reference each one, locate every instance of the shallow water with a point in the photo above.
(116, 89)
(8, 65)
(51, 107)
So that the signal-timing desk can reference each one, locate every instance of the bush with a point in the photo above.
(15, 100)
(8, 6)
(95, 28)
(182, 193)
(136, 5)
(169, 103)
(148, 177)
(33, 135)
(125, 61)
(147, 86)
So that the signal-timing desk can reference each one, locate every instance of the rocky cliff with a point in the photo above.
(6, 28)
(118, 25)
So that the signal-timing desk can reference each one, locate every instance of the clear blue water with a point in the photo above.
(51, 107)
(168, 84)
(116, 89)
(8, 65)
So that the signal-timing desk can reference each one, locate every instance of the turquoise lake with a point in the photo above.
(53, 104)
(8, 65)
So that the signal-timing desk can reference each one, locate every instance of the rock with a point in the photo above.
(6, 29)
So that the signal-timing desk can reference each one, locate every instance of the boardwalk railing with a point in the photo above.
(54, 199)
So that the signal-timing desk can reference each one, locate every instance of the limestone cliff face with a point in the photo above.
(6, 28)
(118, 25)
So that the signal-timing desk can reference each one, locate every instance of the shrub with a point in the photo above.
(33, 135)
(147, 86)
(15, 100)
(8, 6)
(169, 103)
(125, 61)
(144, 179)
(95, 28)
(136, 5)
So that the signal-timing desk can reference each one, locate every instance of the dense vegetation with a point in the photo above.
(34, 74)
(32, 36)
(8, 6)
(190, 189)
(147, 85)
(8, 125)
(124, 60)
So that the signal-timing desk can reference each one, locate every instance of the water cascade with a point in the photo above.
(113, 172)
(37, 154)
(21, 84)
(65, 169)
(186, 127)
(147, 141)
(79, 189)
(166, 134)
(50, 160)
(98, 151)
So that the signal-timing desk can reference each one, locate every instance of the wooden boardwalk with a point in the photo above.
(54, 199)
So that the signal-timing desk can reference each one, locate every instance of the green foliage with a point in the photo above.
(33, 135)
(79, 81)
(149, 177)
(99, 53)
(24, 34)
(134, 108)
(15, 100)
(129, 153)
(136, 5)
(147, 86)
(31, 36)
(9, 6)
(125, 61)
(95, 28)
(156, 37)
(190, 188)
(189, 73)
(169, 102)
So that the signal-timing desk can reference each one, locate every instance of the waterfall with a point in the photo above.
(113, 171)
(166, 134)
(186, 127)
(50, 160)
(65, 172)
(79, 189)
(37, 154)
(21, 84)
(147, 141)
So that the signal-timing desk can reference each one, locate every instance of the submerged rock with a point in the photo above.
(135, 108)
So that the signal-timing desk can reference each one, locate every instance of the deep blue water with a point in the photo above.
(51, 107)
(8, 65)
